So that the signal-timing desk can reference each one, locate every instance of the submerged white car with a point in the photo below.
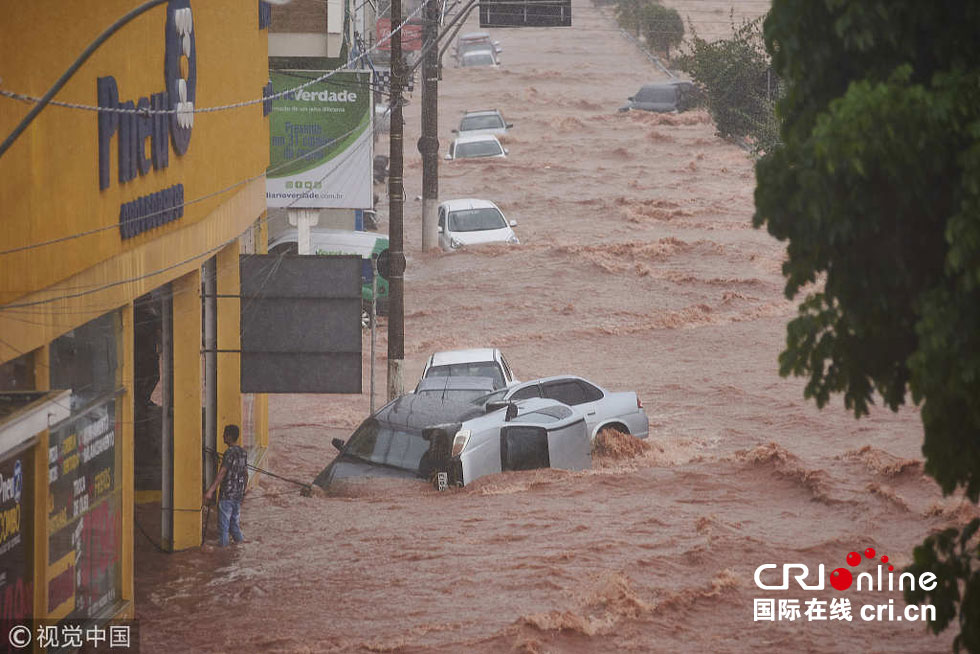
(622, 411)
(473, 222)
(481, 58)
(484, 121)
(476, 146)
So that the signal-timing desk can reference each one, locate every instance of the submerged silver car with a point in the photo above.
(622, 411)
(535, 433)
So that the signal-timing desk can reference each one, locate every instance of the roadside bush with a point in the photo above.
(739, 86)
(661, 27)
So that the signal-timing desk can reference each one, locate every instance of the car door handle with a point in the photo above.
(590, 413)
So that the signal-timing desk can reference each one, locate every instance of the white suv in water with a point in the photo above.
(478, 362)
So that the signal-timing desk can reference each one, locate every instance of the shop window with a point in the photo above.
(85, 360)
(18, 374)
(85, 515)
(16, 536)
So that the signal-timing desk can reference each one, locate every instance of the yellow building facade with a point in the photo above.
(123, 219)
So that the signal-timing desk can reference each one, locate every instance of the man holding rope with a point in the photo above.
(233, 478)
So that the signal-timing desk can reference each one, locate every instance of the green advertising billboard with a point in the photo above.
(321, 147)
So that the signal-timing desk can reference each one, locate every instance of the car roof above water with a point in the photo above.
(461, 205)
(421, 411)
(449, 357)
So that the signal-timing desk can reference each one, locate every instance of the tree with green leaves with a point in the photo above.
(737, 82)
(661, 26)
(876, 188)
(628, 14)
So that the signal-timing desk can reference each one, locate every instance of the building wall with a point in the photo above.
(64, 260)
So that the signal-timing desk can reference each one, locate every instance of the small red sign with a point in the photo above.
(411, 36)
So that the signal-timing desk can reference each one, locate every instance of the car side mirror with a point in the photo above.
(506, 151)
(339, 444)
(440, 229)
(510, 125)
(513, 223)
(455, 131)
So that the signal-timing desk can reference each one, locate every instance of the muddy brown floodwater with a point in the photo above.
(638, 268)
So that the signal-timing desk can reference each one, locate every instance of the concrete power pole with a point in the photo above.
(429, 141)
(396, 208)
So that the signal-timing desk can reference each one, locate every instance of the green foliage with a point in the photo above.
(738, 84)
(628, 14)
(951, 555)
(876, 188)
(661, 27)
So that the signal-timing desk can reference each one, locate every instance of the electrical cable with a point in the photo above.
(47, 98)
(43, 101)
(220, 457)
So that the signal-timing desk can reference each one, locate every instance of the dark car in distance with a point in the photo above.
(663, 97)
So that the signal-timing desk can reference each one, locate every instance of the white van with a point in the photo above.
(325, 241)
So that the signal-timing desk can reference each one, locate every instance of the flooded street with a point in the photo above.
(638, 269)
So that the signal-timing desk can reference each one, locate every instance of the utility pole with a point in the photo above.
(396, 209)
(429, 141)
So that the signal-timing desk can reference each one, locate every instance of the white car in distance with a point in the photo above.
(477, 146)
(473, 222)
(479, 58)
(488, 121)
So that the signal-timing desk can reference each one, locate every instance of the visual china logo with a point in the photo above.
(881, 578)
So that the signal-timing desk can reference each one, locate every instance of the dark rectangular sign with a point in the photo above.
(301, 323)
(525, 13)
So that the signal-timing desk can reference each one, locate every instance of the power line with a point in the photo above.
(46, 99)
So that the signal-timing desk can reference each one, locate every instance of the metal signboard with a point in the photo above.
(301, 323)
(321, 149)
(525, 13)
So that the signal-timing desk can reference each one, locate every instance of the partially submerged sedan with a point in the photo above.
(476, 146)
(622, 411)
(393, 442)
(418, 436)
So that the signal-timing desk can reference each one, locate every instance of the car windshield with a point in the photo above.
(496, 396)
(478, 149)
(481, 122)
(386, 444)
(659, 94)
(478, 59)
(487, 369)
(476, 220)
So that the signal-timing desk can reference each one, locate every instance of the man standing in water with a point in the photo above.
(233, 477)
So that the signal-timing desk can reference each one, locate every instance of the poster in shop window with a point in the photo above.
(83, 515)
(322, 149)
(16, 510)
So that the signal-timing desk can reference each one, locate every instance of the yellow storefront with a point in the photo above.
(123, 220)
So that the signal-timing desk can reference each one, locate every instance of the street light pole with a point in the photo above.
(396, 208)
(429, 141)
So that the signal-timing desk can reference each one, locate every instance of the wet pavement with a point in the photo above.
(638, 268)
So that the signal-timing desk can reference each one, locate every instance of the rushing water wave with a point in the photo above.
(638, 269)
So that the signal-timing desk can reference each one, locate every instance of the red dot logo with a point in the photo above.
(841, 578)
(853, 559)
(870, 552)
